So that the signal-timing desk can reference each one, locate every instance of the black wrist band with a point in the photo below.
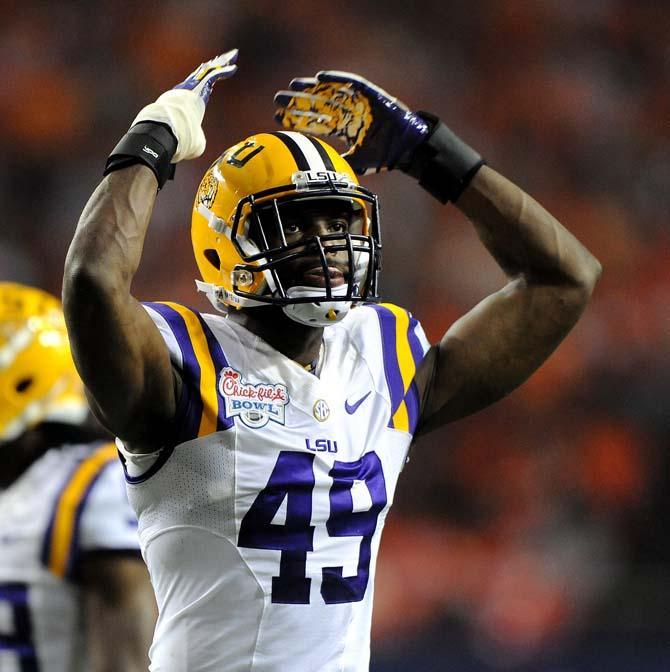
(149, 142)
(443, 164)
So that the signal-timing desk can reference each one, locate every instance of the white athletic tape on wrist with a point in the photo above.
(183, 111)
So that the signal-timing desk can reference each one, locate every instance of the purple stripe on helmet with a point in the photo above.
(187, 420)
(387, 325)
(219, 360)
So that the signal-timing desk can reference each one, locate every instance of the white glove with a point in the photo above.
(183, 107)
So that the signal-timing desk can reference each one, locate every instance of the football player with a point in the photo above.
(74, 593)
(262, 449)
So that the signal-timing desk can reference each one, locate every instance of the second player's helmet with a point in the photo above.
(38, 380)
(238, 229)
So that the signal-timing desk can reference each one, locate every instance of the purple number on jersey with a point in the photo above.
(344, 522)
(20, 641)
(293, 478)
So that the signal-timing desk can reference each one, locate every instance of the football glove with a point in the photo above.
(380, 132)
(170, 129)
(183, 107)
(377, 128)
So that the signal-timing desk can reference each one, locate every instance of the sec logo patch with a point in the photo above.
(321, 410)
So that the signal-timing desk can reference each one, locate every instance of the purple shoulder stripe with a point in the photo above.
(73, 553)
(418, 353)
(189, 407)
(412, 403)
(387, 326)
(220, 362)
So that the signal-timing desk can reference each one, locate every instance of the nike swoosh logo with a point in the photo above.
(352, 408)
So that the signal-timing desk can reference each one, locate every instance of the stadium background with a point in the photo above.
(535, 535)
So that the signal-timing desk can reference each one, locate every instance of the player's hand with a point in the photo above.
(377, 128)
(201, 81)
(183, 107)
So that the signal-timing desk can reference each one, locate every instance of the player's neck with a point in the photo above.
(294, 340)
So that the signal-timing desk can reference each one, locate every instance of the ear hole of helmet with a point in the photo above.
(213, 257)
(23, 385)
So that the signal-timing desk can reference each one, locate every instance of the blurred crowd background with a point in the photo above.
(534, 535)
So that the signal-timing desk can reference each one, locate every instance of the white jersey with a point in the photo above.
(70, 501)
(261, 526)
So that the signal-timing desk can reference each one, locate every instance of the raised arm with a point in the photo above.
(118, 350)
(498, 344)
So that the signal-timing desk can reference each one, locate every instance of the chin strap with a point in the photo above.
(218, 296)
(316, 313)
(312, 314)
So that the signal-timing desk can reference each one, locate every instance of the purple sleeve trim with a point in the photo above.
(220, 362)
(189, 407)
(390, 357)
(74, 550)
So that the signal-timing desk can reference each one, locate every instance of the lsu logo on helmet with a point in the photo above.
(237, 219)
(207, 190)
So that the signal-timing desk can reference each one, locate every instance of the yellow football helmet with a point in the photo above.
(238, 234)
(38, 380)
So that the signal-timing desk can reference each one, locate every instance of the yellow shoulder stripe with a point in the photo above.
(67, 508)
(207, 372)
(406, 362)
(403, 351)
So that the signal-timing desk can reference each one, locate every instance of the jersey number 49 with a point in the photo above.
(293, 479)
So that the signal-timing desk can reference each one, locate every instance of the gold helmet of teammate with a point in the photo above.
(38, 380)
(238, 228)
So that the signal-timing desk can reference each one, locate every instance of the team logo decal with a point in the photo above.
(255, 404)
(321, 410)
(208, 188)
(314, 179)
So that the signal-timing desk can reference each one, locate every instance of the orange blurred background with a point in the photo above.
(534, 535)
